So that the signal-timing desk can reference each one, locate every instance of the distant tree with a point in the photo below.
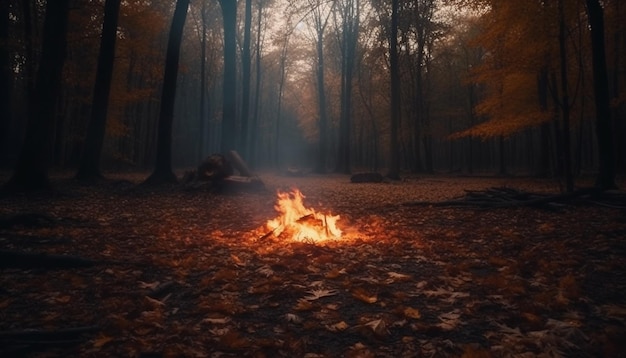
(203, 85)
(163, 168)
(565, 99)
(5, 78)
(257, 90)
(89, 168)
(246, 64)
(606, 173)
(31, 171)
(394, 149)
(349, 28)
(229, 97)
(320, 17)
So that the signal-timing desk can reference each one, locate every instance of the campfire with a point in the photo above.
(299, 223)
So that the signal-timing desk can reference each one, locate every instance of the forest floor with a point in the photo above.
(180, 272)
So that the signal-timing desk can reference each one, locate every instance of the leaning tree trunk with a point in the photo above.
(90, 164)
(31, 171)
(606, 173)
(163, 169)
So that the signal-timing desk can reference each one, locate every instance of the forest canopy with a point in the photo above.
(483, 86)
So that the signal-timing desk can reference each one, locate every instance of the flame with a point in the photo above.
(301, 223)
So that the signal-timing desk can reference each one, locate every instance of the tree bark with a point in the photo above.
(203, 89)
(31, 171)
(350, 35)
(5, 81)
(163, 168)
(606, 172)
(394, 158)
(245, 80)
(90, 164)
(565, 106)
(257, 95)
(229, 111)
(320, 26)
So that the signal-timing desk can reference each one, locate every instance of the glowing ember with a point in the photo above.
(300, 223)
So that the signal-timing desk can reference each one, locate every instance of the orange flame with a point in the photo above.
(300, 223)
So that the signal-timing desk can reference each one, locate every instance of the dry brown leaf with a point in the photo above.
(412, 313)
(101, 340)
(362, 295)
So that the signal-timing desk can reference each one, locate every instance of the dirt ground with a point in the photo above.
(187, 272)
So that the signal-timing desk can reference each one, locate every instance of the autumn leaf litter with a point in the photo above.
(186, 273)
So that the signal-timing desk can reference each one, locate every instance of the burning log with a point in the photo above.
(300, 223)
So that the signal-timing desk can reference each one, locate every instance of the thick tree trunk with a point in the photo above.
(31, 171)
(606, 173)
(350, 34)
(229, 111)
(394, 150)
(163, 167)
(90, 164)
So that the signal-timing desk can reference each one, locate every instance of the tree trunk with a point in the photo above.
(394, 159)
(90, 164)
(245, 79)
(606, 173)
(565, 106)
(257, 92)
(350, 35)
(163, 167)
(279, 110)
(321, 101)
(31, 171)
(229, 110)
(5, 82)
(203, 90)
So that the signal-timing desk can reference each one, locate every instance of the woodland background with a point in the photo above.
(470, 86)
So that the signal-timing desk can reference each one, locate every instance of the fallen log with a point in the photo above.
(367, 178)
(239, 164)
(507, 197)
(46, 335)
(19, 259)
(19, 343)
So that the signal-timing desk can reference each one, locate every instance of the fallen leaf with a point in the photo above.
(101, 341)
(150, 286)
(222, 320)
(398, 276)
(412, 313)
(378, 326)
(303, 305)
(317, 294)
(290, 317)
(364, 296)
(341, 326)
